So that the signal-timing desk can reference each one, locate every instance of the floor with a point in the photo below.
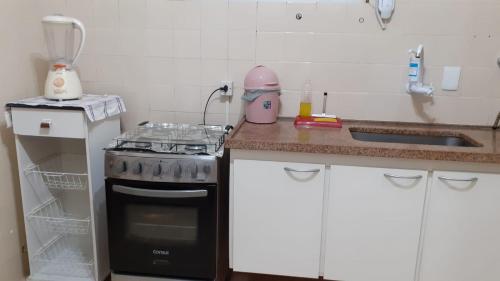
(262, 277)
(258, 277)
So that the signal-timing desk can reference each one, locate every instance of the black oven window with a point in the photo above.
(150, 222)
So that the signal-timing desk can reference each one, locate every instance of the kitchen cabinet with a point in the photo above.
(373, 224)
(61, 171)
(277, 217)
(462, 233)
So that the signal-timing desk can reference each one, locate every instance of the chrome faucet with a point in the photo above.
(497, 122)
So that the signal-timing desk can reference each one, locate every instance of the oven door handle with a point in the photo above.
(160, 193)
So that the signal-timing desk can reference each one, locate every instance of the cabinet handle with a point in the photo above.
(474, 179)
(403, 177)
(302, 171)
(45, 124)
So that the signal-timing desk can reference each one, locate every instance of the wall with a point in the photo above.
(21, 69)
(165, 56)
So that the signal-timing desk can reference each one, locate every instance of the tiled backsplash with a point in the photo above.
(166, 56)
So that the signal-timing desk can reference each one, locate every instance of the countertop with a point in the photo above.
(283, 136)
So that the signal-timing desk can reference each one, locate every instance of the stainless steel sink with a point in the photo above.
(425, 138)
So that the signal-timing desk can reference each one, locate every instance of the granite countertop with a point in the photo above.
(283, 136)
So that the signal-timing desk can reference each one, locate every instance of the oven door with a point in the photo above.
(160, 229)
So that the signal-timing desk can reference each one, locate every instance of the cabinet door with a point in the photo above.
(277, 217)
(374, 222)
(462, 233)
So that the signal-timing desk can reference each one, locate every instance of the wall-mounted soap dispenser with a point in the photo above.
(416, 74)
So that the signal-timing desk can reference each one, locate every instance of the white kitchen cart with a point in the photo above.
(61, 170)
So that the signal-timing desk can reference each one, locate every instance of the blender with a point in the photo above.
(63, 82)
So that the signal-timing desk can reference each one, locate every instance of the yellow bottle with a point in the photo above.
(305, 109)
(306, 100)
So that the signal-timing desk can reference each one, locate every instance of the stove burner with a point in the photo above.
(195, 147)
(143, 145)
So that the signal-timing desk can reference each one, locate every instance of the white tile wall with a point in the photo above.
(22, 72)
(168, 55)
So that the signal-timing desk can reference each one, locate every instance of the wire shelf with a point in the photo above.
(50, 217)
(59, 257)
(61, 172)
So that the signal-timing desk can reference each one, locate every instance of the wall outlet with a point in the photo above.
(230, 88)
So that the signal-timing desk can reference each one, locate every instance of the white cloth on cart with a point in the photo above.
(97, 107)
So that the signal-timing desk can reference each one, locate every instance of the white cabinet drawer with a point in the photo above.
(49, 123)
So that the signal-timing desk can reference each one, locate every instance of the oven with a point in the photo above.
(167, 203)
(162, 229)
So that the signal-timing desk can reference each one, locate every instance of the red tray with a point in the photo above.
(323, 122)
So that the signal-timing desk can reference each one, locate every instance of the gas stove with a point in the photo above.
(166, 192)
(164, 152)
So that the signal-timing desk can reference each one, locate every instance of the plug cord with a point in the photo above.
(223, 89)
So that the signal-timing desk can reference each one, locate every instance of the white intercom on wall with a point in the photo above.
(385, 8)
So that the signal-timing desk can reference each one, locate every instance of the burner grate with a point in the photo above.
(172, 138)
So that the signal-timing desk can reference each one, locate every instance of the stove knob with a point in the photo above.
(137, 168)
(177, 170)
(207, 169)
(194, 171)
(120, 167)
(157, 170)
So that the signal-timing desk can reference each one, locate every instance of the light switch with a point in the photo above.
(451, 78)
